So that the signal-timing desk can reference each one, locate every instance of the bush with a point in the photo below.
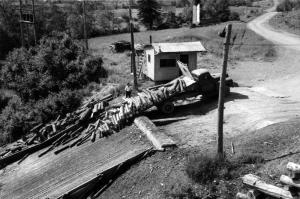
(13, 120)
(17, 118)
(287, 5)
(234, 16)
(46, 79)
(250, 159)
(56, 64)
(240, 2)
(57, 104)
(204, 168)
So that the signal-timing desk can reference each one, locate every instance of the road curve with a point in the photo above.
(261, 26)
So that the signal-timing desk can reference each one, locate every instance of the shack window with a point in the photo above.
(167, 63)
(149, 58)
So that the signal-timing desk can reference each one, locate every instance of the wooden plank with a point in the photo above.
(241, 196)
(256, 183)
(106, 174)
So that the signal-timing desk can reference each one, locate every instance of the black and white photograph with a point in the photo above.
(149, 99)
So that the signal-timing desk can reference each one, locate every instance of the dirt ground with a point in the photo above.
(261, 117)
(164, 174)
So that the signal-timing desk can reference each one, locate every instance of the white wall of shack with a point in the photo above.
(156, 73)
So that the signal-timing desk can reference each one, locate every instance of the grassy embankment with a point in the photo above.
(287, 21)
(288, 18)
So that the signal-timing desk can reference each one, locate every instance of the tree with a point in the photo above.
(215, 9)
(148, 12)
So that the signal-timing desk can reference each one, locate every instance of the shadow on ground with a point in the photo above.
(197, 108)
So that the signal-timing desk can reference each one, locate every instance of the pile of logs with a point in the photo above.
(95, 119)
(66, 129)
(290, 188)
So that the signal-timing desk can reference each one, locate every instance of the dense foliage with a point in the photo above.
(288, 5)
(149, 12)
(56, 17)
(46, 81)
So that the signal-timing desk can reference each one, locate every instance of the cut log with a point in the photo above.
(61, 149)
(289, 181)
(30, 141)
(76, 142)
(241, 196)
(53, 127)
(253, 194)
(85, 115)
(158, 138)
(164, 121)
(93, 136)
(293, 167)
(36, 128)
(25, 156)
(256, 183)
(294, 170)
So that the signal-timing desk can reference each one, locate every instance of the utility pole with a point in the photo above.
(33, 21)
(84, 26)
(27, 17)
(21, 24)
(132, 47)
(222, 91)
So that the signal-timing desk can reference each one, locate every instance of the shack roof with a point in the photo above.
(195, 46)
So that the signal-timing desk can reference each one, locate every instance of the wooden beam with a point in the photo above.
(271, 190)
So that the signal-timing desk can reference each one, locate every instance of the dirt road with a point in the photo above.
(273, 97)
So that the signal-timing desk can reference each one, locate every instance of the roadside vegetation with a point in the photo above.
(289, 18)
(44, 81)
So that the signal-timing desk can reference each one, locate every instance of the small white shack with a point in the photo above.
(160, 63)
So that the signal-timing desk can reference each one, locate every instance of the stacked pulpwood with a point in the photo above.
(92, 120)
(115, 118)
(260, 189)
(57, 132)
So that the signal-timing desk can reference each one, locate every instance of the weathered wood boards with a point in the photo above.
(158, 138)
(258, 184)
(291, 182)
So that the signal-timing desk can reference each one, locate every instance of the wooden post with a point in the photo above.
(222, 91)
(21, 24)
(132, 48)
(84, 26)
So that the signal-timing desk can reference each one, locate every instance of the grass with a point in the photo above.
(288, 21)
(244, 48)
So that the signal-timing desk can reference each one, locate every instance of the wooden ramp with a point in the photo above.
(55, 175)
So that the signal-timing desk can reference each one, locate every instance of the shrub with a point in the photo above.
(13, 120)
(56, 64)
(287, 5)
(57, 104)
(17, 117)
(203, 168)
(240, 2)
(250, 159)
(234, 16)
(45, 78)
